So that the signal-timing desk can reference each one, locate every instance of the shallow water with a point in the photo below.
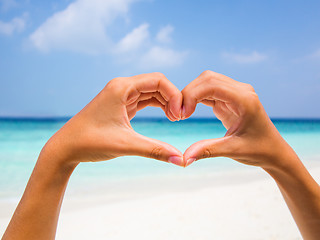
(22, 140)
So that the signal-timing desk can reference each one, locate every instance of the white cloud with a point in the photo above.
(83, 27)
(253, 57)
(134, 40)
(164, 35)
(162, 57)
(15, 25)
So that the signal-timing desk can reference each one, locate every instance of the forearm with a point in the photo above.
(37, 213)
(301, 193)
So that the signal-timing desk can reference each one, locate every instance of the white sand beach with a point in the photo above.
(243, 204)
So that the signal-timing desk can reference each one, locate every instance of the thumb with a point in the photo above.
(218, 147)
(140, 145)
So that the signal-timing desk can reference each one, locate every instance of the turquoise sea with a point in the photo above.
(22, 139)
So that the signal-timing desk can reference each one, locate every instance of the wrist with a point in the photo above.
(54, 157)
(278, 156)
(288, 167)
(283, 160)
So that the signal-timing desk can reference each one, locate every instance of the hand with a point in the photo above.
(251, 137)
(102, 130)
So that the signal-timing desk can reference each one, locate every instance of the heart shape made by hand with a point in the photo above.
(235, 104)
(106, 133)
(102, 131)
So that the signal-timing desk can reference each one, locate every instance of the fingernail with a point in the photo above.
(174, 116)
(176, 160)
(189, 161)
(183, 113)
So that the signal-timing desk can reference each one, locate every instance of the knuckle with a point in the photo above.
(249, 87)
(158, 75)
(211, 81)
(184, 93)
(253, 97)
(156, 152)
(187, 94)
(207, 73)
(114, 83)
(253, 102)
(117, 86)
(209, 77)
(207, 153)
(211, 74)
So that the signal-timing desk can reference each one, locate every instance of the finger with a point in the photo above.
(217, 91)
(209, 86)
(219, 147)
(209, 103)
(141, 102)
(157, 95)
(224, 114)
(153, 102)
(133, 108)
(140, 145)
(153, 82)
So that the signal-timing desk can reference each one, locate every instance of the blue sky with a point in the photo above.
(55, 56)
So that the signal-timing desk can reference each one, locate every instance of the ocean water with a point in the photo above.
(22, 140)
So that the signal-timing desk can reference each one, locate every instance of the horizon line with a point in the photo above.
(66, 118)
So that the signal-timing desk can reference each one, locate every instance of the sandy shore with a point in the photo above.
(235, 205)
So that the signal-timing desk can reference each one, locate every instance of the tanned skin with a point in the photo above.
(102, 131)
